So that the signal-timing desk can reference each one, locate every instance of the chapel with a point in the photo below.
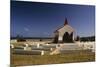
(64, 34)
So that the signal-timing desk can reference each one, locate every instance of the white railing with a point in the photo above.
(87, 45)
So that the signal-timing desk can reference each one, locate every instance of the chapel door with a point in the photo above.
(68, 38)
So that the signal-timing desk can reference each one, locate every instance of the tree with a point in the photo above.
(20, 38)
(77, 38)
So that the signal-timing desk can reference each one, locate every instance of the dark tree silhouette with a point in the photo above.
(20, 38)
(77, 38)
(55, 39)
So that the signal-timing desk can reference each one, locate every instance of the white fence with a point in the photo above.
(87, 45)
(33, 48)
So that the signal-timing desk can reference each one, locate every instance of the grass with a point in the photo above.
(51, 59)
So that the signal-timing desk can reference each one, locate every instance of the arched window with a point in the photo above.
(68, 38)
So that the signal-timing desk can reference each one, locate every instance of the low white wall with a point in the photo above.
(13, 41)
(87, 45)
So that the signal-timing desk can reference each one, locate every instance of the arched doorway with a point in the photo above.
(68, 38)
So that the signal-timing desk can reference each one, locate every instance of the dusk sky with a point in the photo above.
(34, 19)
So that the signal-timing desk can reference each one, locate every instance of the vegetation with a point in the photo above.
(51, 59)
(91, 38)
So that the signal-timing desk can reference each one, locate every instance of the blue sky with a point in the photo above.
(34, 19)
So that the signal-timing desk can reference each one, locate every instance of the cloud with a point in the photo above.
(26, 29)
(46, 34)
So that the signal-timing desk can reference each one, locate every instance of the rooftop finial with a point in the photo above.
(66, 22)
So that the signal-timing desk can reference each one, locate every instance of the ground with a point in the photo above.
(17, 60)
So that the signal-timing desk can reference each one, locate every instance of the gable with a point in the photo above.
(66, 28)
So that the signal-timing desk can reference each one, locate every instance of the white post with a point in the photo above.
(51, 49)
(25, 48)
(42, 52)
(12, 46)
(26, 45)
(57, 46)
(38, 45)
(47, 44)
